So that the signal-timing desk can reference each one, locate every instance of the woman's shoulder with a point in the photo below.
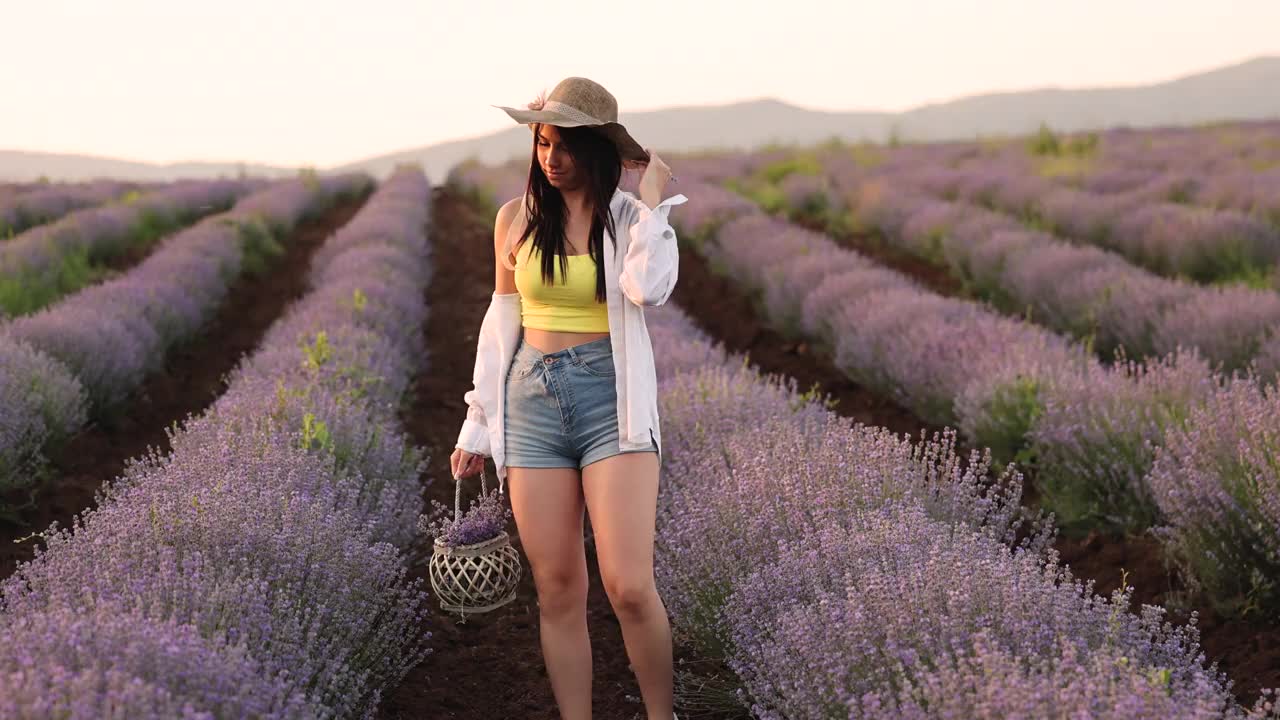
(507, 215)
(508, 209)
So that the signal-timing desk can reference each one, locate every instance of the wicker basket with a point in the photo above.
(474, 578)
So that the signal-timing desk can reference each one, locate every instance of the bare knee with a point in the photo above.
(561, 593)
(632, 598)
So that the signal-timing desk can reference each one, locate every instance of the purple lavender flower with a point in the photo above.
(1202, 244)
(47, 203)
(484, 519)
(849, 619)
(1216, 478)
(1228, 325)
(114, 662)
(41, 403)
(1099, 432)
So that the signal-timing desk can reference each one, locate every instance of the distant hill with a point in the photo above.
(1237, 92)
(23, 166)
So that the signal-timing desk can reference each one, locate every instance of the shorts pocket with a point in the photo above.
(600, 365)
(520, 370)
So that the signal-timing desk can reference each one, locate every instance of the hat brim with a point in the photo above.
(627, 146)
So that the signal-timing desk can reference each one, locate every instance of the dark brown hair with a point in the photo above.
(597, 159)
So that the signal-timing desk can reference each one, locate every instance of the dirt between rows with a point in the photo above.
(191, 380)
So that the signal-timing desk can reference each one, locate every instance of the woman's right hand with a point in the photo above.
(465, 464)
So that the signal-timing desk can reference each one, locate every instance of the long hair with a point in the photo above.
(597, 158)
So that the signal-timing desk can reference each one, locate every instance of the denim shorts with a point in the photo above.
(561, 408)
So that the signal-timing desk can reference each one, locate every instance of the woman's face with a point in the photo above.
(553, 156)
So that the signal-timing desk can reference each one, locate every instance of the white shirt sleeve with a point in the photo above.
(651, 266)
(499, 332)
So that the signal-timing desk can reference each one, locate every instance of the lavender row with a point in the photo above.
(1236, 237)
(1144, 156)
(866, 577)
(109, 337)
(49, 261)
(1096, 432)
(1146, 168)
(1233, 166)
(951, 361)
(254, 571)
(1111, 304)
(1168, 238)
(50, 202)
(1108, 301)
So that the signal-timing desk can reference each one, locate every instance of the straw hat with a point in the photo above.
(576, 102)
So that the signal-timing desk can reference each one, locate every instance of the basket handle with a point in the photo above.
(457, 494)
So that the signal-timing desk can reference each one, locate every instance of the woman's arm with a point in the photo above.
(652, 263)
(504, 280)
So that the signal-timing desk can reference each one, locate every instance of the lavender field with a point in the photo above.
(1083, 328)
(1105, 340)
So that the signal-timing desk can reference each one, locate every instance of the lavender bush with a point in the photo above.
(951, 361)
(725, 424)
(881, 609)
(1110, 303)
(276, 521)
(1098, 435)
(115, 663)
(112, 335)
(49, 261)
(1205, 245)
(1217, 480)
(41, 404)
(492, 184)
(47, 203)
(1143, 225)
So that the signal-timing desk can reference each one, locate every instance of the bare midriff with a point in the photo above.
(549, 341)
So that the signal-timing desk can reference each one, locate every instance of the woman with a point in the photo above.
(565, 395)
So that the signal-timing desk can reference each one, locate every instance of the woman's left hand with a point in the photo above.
(654, 180)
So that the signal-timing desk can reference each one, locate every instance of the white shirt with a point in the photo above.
(646, 277)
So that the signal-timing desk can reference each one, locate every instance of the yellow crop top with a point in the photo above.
(565, 306)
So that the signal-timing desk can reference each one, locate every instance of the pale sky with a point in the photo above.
(320, 82)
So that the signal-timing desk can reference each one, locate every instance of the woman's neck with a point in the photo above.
(576, 202)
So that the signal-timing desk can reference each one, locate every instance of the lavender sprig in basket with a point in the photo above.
(474, 568)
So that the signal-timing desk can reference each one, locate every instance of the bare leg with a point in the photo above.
(548, 508)
(621, 494)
